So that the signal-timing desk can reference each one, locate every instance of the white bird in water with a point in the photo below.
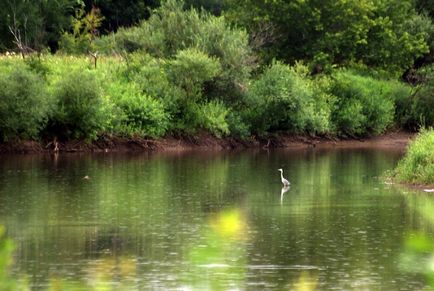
(284, 181)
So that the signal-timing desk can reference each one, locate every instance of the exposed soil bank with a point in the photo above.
(394, 140)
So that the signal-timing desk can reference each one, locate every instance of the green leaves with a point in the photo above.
(417, 165)
(364, 105)
(285, 98)
(24, 104)
(140, 114)
(345, 31)
(80, 110)
(190, 69)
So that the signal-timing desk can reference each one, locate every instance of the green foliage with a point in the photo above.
(125, 13)
(24, 104)
(150, 74)
(417, 166)
(213, 118)
(416, 110)
(231, 48)
(38, 23)
(178, 84)
(171, 29)
(364, 105)
(36, 65)
(285, 98)
(190, 70)
(81, 110)
(336, 32)
(6, 248)
(139, 114)
(84, 30)
(214, 6)
(238, 127)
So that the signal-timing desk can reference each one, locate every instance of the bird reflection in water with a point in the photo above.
(283, 191)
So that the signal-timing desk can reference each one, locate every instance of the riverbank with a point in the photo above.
(392, 140)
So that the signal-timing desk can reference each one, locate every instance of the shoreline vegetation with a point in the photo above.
(416, 168)
(188, 76)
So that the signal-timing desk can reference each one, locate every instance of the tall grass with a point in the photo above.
(417, 166)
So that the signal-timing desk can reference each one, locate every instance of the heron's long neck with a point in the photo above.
(281, 174)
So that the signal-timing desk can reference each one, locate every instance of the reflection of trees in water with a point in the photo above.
(417, 256)
(159, 212)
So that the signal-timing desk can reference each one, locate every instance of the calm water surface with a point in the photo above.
(198, 221)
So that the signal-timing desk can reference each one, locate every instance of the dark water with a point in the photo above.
(201, 221)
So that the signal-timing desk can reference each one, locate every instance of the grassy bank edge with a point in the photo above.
(416, 169)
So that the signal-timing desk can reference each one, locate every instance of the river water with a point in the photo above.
(213, 221)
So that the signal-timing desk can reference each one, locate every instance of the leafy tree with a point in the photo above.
(334, 32)
(33, 24)
(118, 13)
(85, 28)
(171, 29)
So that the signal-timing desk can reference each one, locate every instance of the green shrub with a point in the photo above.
(321, 106)
(364, 105)
(349, 118)
(81, 110)
(402, 99)
(415, 110)
(422, 113)
(190, 70)
(285, 98)
(37, 65)
(231, 48)
(139, 114)
(70, 44)
(185, 117)
(84, 29)
(417, 166)
(238, 127)
(24, 104)
(151, 77)
(172, 29)
(213, 118)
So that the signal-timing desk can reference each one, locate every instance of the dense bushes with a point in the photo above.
(212, 117)
(79, 109)
(182, 72)
(24, 103)
(416, 109)
(190, 69)
(364, 105)
(137, 114)
(285, 99)
(417, 165)
(171, 29)
(141, 95)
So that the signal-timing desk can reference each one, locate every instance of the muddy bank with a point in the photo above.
(394, 140)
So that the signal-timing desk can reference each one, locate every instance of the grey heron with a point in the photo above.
(284, 181)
